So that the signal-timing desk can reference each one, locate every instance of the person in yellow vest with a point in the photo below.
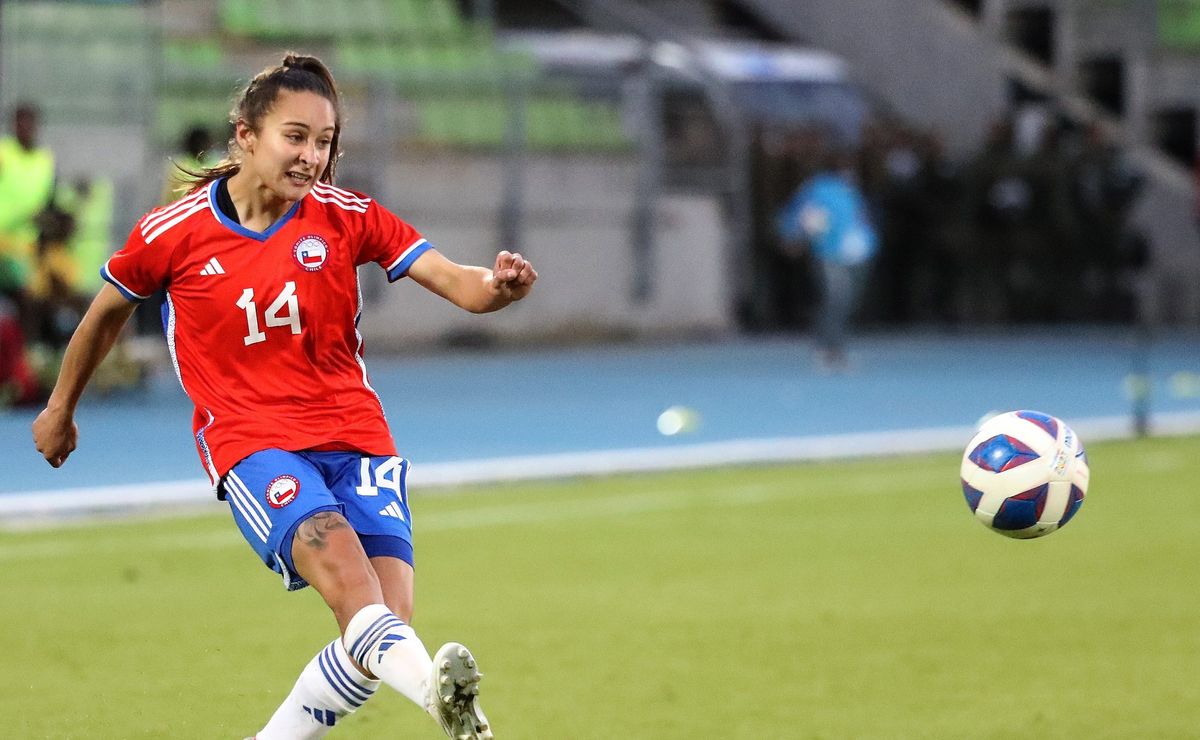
(26, 188)
(90, 201)
(51, 290)
(58, 291)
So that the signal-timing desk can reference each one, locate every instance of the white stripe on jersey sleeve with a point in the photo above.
(344, 195)
(108, 274)
(199, 206)
(151, 221)
(338, 203)
(405, 253)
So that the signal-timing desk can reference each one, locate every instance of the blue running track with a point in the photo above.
(472, 406)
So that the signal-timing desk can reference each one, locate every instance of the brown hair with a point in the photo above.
(297, 73)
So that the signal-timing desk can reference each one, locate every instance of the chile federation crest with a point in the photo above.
(311, 252)
(282, 491)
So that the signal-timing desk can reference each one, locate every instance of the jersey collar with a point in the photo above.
(237, 228)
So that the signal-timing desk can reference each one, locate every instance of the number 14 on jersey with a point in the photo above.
(274, 315)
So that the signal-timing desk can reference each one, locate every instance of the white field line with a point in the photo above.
(76, 501)
(495, 515)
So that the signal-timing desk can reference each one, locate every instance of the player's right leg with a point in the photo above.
(277, 498)
(329, 688)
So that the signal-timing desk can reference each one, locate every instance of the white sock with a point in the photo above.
(329, 688)
(387, 647)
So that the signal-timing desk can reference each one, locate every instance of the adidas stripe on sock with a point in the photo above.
(329, 688)
(387, 647)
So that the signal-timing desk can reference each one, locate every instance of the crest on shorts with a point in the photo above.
(282, 491)
(311, 252)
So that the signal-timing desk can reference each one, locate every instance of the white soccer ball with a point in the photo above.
(1024, 474)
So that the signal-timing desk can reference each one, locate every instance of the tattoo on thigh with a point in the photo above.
(314, 529)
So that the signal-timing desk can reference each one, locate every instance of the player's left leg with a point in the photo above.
(334, 685)
(373, 491)
(339, 684)
(453, 693)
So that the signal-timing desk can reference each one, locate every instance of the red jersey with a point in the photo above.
(263, 327)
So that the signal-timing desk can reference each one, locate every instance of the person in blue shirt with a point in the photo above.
(828, 217)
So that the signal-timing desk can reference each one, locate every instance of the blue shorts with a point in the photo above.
(272, 491)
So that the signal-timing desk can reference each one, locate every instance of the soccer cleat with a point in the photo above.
(453, 692)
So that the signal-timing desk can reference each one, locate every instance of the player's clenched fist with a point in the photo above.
(55, 435)
(512, 276)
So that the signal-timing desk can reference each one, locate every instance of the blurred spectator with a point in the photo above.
(1001, 202)
(58, 292)
(942, 233)
(18, 382)
(982, 241)
(783, 157)
(90, 202)
(194, 155)
(56, 305)
(827, 218)
(1103, 189)
(1045, 250)
(26, 187)
(914, 192)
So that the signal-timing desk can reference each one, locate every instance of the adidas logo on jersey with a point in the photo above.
(393, 509)
(213, 268)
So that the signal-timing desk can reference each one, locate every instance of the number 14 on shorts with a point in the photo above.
(388, 474)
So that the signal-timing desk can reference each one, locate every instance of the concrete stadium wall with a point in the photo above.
(576, 228)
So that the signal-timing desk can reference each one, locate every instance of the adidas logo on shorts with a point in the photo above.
(392, 509)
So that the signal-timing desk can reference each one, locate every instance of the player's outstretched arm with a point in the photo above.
(54, 430)
(477, 289)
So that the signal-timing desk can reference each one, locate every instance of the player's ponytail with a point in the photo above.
(297, 73)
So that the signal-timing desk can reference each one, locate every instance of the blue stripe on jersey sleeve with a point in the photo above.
(129, 294)
(399, 270)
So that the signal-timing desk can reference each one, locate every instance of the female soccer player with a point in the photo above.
(262, 303)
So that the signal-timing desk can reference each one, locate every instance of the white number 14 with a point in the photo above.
(388, 475)
(272, 317)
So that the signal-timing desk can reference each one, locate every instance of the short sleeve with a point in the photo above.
(138, 269)
(390, 242)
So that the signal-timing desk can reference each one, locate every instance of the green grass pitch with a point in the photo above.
(841, 600)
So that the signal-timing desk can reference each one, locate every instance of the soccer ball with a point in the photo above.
(1024, 474)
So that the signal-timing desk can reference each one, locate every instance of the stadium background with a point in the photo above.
(636, 152)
